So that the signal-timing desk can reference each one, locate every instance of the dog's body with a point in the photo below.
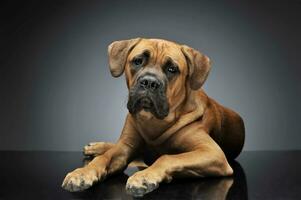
(187, 133)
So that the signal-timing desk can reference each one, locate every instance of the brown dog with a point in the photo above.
(187, 133)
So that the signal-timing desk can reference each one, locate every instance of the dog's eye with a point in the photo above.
(172, 69)
(138, 61)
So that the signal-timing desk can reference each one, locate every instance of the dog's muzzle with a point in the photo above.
(149, 82)
(149, 94)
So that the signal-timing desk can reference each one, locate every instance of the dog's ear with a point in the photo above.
(199, 66)
(118, 52)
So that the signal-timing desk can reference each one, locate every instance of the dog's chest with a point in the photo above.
(150, 132)
(151, 128)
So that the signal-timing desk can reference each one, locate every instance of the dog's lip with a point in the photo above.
(146, 103)
(144, 100)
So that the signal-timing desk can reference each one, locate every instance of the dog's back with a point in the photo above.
(228, 131)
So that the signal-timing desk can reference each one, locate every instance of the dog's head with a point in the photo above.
(159, 73)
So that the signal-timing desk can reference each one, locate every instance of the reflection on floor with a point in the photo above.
(257, 175)
(207, 188)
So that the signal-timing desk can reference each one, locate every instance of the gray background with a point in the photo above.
(57, 92)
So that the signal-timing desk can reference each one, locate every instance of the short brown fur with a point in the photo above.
(196, 139)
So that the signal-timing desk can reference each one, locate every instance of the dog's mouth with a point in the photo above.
(146, 103)
(157, 105)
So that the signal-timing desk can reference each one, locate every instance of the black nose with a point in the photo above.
(149, 82)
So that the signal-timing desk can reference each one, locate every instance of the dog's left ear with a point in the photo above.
(118, 52)
(199, 66)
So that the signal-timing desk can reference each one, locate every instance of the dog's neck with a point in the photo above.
(155, 131)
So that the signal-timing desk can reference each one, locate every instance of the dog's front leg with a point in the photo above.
(97, 148)
(206, 159)
(114, 160)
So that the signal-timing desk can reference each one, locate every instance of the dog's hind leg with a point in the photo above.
(97, 148)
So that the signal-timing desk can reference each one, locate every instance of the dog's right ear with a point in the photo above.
(118, 52)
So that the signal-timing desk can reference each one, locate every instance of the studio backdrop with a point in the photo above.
(57, 92)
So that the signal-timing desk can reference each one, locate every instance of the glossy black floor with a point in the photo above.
(258, 175)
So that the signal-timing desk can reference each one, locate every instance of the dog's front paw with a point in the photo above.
(80, 179)
(97, 148)
(142, 182)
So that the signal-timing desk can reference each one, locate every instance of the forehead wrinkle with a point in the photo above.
(171, 59)
(140, 50)
(170, 53)
(160, 52)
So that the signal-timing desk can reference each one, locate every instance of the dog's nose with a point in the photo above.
(149, 82)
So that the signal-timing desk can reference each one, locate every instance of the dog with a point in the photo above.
(172, 124)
